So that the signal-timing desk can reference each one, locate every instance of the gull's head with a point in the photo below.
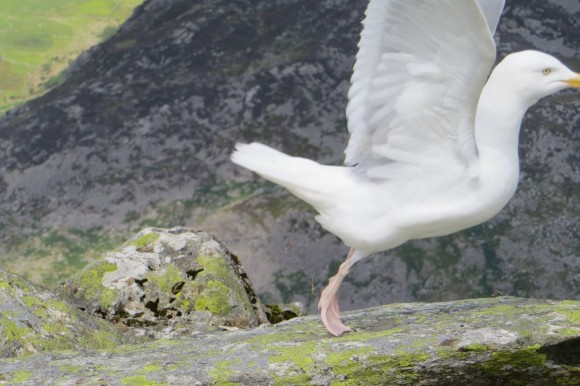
(534, 75)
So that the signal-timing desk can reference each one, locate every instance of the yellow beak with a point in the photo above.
(574, 82)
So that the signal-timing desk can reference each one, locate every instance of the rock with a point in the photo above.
(277, 313)
(480, 342)
(168, 282)
(32, 319)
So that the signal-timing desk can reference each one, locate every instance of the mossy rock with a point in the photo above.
(480, 342)
(32, 319)
(168, 282)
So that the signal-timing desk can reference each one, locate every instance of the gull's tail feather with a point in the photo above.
(306, 179)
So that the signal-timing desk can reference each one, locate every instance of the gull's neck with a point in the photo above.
(497, 126)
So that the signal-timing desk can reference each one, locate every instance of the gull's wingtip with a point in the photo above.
(238, 146)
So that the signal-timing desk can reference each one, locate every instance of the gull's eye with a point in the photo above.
(547, 71)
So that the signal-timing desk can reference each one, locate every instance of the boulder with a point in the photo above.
(32, 319)
(168, 282)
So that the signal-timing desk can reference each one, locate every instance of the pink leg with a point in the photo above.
(328, 304)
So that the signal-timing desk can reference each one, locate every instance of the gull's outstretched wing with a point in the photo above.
(491, 9)
(419, 72)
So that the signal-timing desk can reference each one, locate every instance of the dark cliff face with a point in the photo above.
(141, 131)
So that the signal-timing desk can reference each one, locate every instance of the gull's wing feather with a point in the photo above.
(419, 72)
(491, 9)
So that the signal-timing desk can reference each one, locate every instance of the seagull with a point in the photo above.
(433, 145)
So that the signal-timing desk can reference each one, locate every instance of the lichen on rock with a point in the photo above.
(32, 320)
(480, 342)
(168, 282)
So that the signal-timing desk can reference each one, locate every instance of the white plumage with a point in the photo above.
(433, 142)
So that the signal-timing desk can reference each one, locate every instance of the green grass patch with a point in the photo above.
(39, 38)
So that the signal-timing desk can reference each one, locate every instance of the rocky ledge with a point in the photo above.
(159, 285)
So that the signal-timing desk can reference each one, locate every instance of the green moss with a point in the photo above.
(292, 357)
(32, 301)
(61, 306)
(57, 343)
(214, 268)
(571, 309)
(183, 304)
(527, 357)
(16, 282)
(47, 310)
(145, 241)
(501, 309)
(476, 347)
(4, 285)
(399, 369)
(566, 303)
(215, 298)
(217, 269)
(20, 376)
(167, 278)
(347, 362)
(362, 367)
(292, 376)
(56, 318)
(299, 379)
(71, 369)
(54, 328)
(139, 380)
(569, 332)
(222, 372)
(91, 284)
(174, 367)
(108, 297)
(91, 279)
(301, 355)
(150, 368)
(11, 331)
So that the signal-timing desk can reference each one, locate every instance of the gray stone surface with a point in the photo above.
(33, 319)
(481, 342)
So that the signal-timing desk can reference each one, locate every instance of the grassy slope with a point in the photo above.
(39, 38)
